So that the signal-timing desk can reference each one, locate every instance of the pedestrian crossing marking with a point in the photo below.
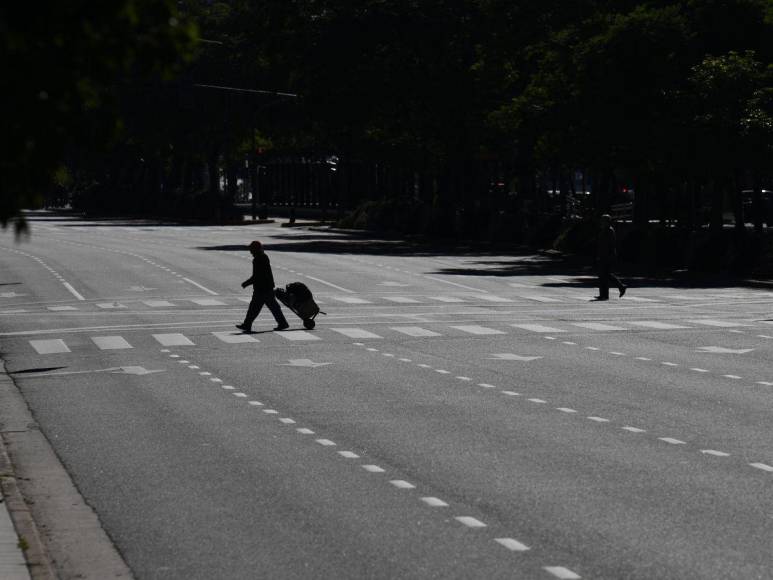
(110, 342)
(351, 300)
(157, 303)
(640, 299)
(61, 308)
(655, 324)
(51, 346)
(298, 335)
(492, 298)
(235, 337)
(539, 298)
(537, 328)
(475, 329)
(355, 333)
(415, 331)
(597, 326)
(110, 305)
(173, 339)
(402, 299)
(448, 299)
(207, 302)
(717, 323)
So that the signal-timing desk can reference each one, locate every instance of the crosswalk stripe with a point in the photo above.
(415, 331)
(110, 342)
(475, 329)
(298, 335)
(537, 328)
(718, 323)
(61, 308)
(492, 298)
(234, 337)
(448, 299)
(110, 305)
(540, 298)
(355, 333)
(51, 346)
(173, 339)
(654, 324)
(207, 302)
(351, 300)
(157, 303)
(402, 299)
(640, 299)
(596, 326)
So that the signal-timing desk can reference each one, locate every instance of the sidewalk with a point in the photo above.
(13, 566)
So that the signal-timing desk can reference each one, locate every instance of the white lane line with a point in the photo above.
(240, 395)
(671, 440)
(642, 358)
(511, 393)
(448, 299)
(270, 411)
(51, 346)
(479, 330)
(61, 308)
(157, 303)
(669, 364)
(717, 323)
(487, 386)
(734, 377)
(207, 290)
(592, 348)
(234, 337)
(388, 354)
(298, 335)
(442, 371)
(455, 284)
(287, 421)
(597, 326)
(714, 452)
(511, 544)
(230, 388)
(656, 325)
(207, 302)
(373, 469)
(492, 298)
(462, 378)
(434, 502)
(634, 429)
(331, 285)
(566, 410)
(569, 342)
(325, 442)
(617, 353)
(470, 522)
(173, 339)
(351, 300)
(402, 299)
(110, 342)
(305, 431)
(254, 403)
(216, 380)
(540, 298)
(537, 400)
(205, 373)
(599, 419)
(376, 350)
(355, 333)
(402, 484)
(405, 360)
(762, 466)
(640, 299)
(415, 331)
(699, 370)
(562, 573)
(765, 383)
(537, 328)
(73, 291)
(348, 454)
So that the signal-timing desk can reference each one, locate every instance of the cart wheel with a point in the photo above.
(309, 323)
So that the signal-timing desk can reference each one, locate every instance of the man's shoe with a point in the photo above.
(243, 328)
(282, 327)
(622, 290)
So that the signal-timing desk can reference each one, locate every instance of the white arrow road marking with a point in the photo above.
(723, 350)
(303, 362)
(511, 356)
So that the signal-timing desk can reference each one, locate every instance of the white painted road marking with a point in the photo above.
(723, 350)
(671, 440)
(537, 328)
(714, 452)
(73, 291)
(511, 544)
(61, 308)
(434, 502)
(655, 324)
(718, 323)
(157, 303)
(110, 305)
(762, 466)
(355, 333)
(562, 573)
(470, 522)
(234, 337)
(351, 300)
(475, 329)
(199, 286)
(539, 298)
(207, 302)
(402, 300)
(492, 298)
(415, 331)
(402, 484)
(298, 335)
(372, 469)
(597, 326)
(511, 356)
(173, 339)
(110, 342)
(445, 298)
(51, 346)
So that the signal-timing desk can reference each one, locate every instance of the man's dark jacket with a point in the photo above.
(262, 278)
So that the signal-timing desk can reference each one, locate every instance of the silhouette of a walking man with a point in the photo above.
(606, 258)
(262, 281)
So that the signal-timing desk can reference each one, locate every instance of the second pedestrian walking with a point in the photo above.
(262, 282)
(606, 259)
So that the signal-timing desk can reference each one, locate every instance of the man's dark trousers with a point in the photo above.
(605, 276)
(256, 304)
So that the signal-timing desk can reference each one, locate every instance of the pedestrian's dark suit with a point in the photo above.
(262, 281)
(606, 256)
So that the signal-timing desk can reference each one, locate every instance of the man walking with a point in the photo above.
(606, 257)
(262, 281)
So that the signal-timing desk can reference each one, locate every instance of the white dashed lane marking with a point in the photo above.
(714, 452)
(511, 544)
(52, 346)
(173, 339)
(562, 573)
(470, 522)
(434, 502)
(110, 342)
